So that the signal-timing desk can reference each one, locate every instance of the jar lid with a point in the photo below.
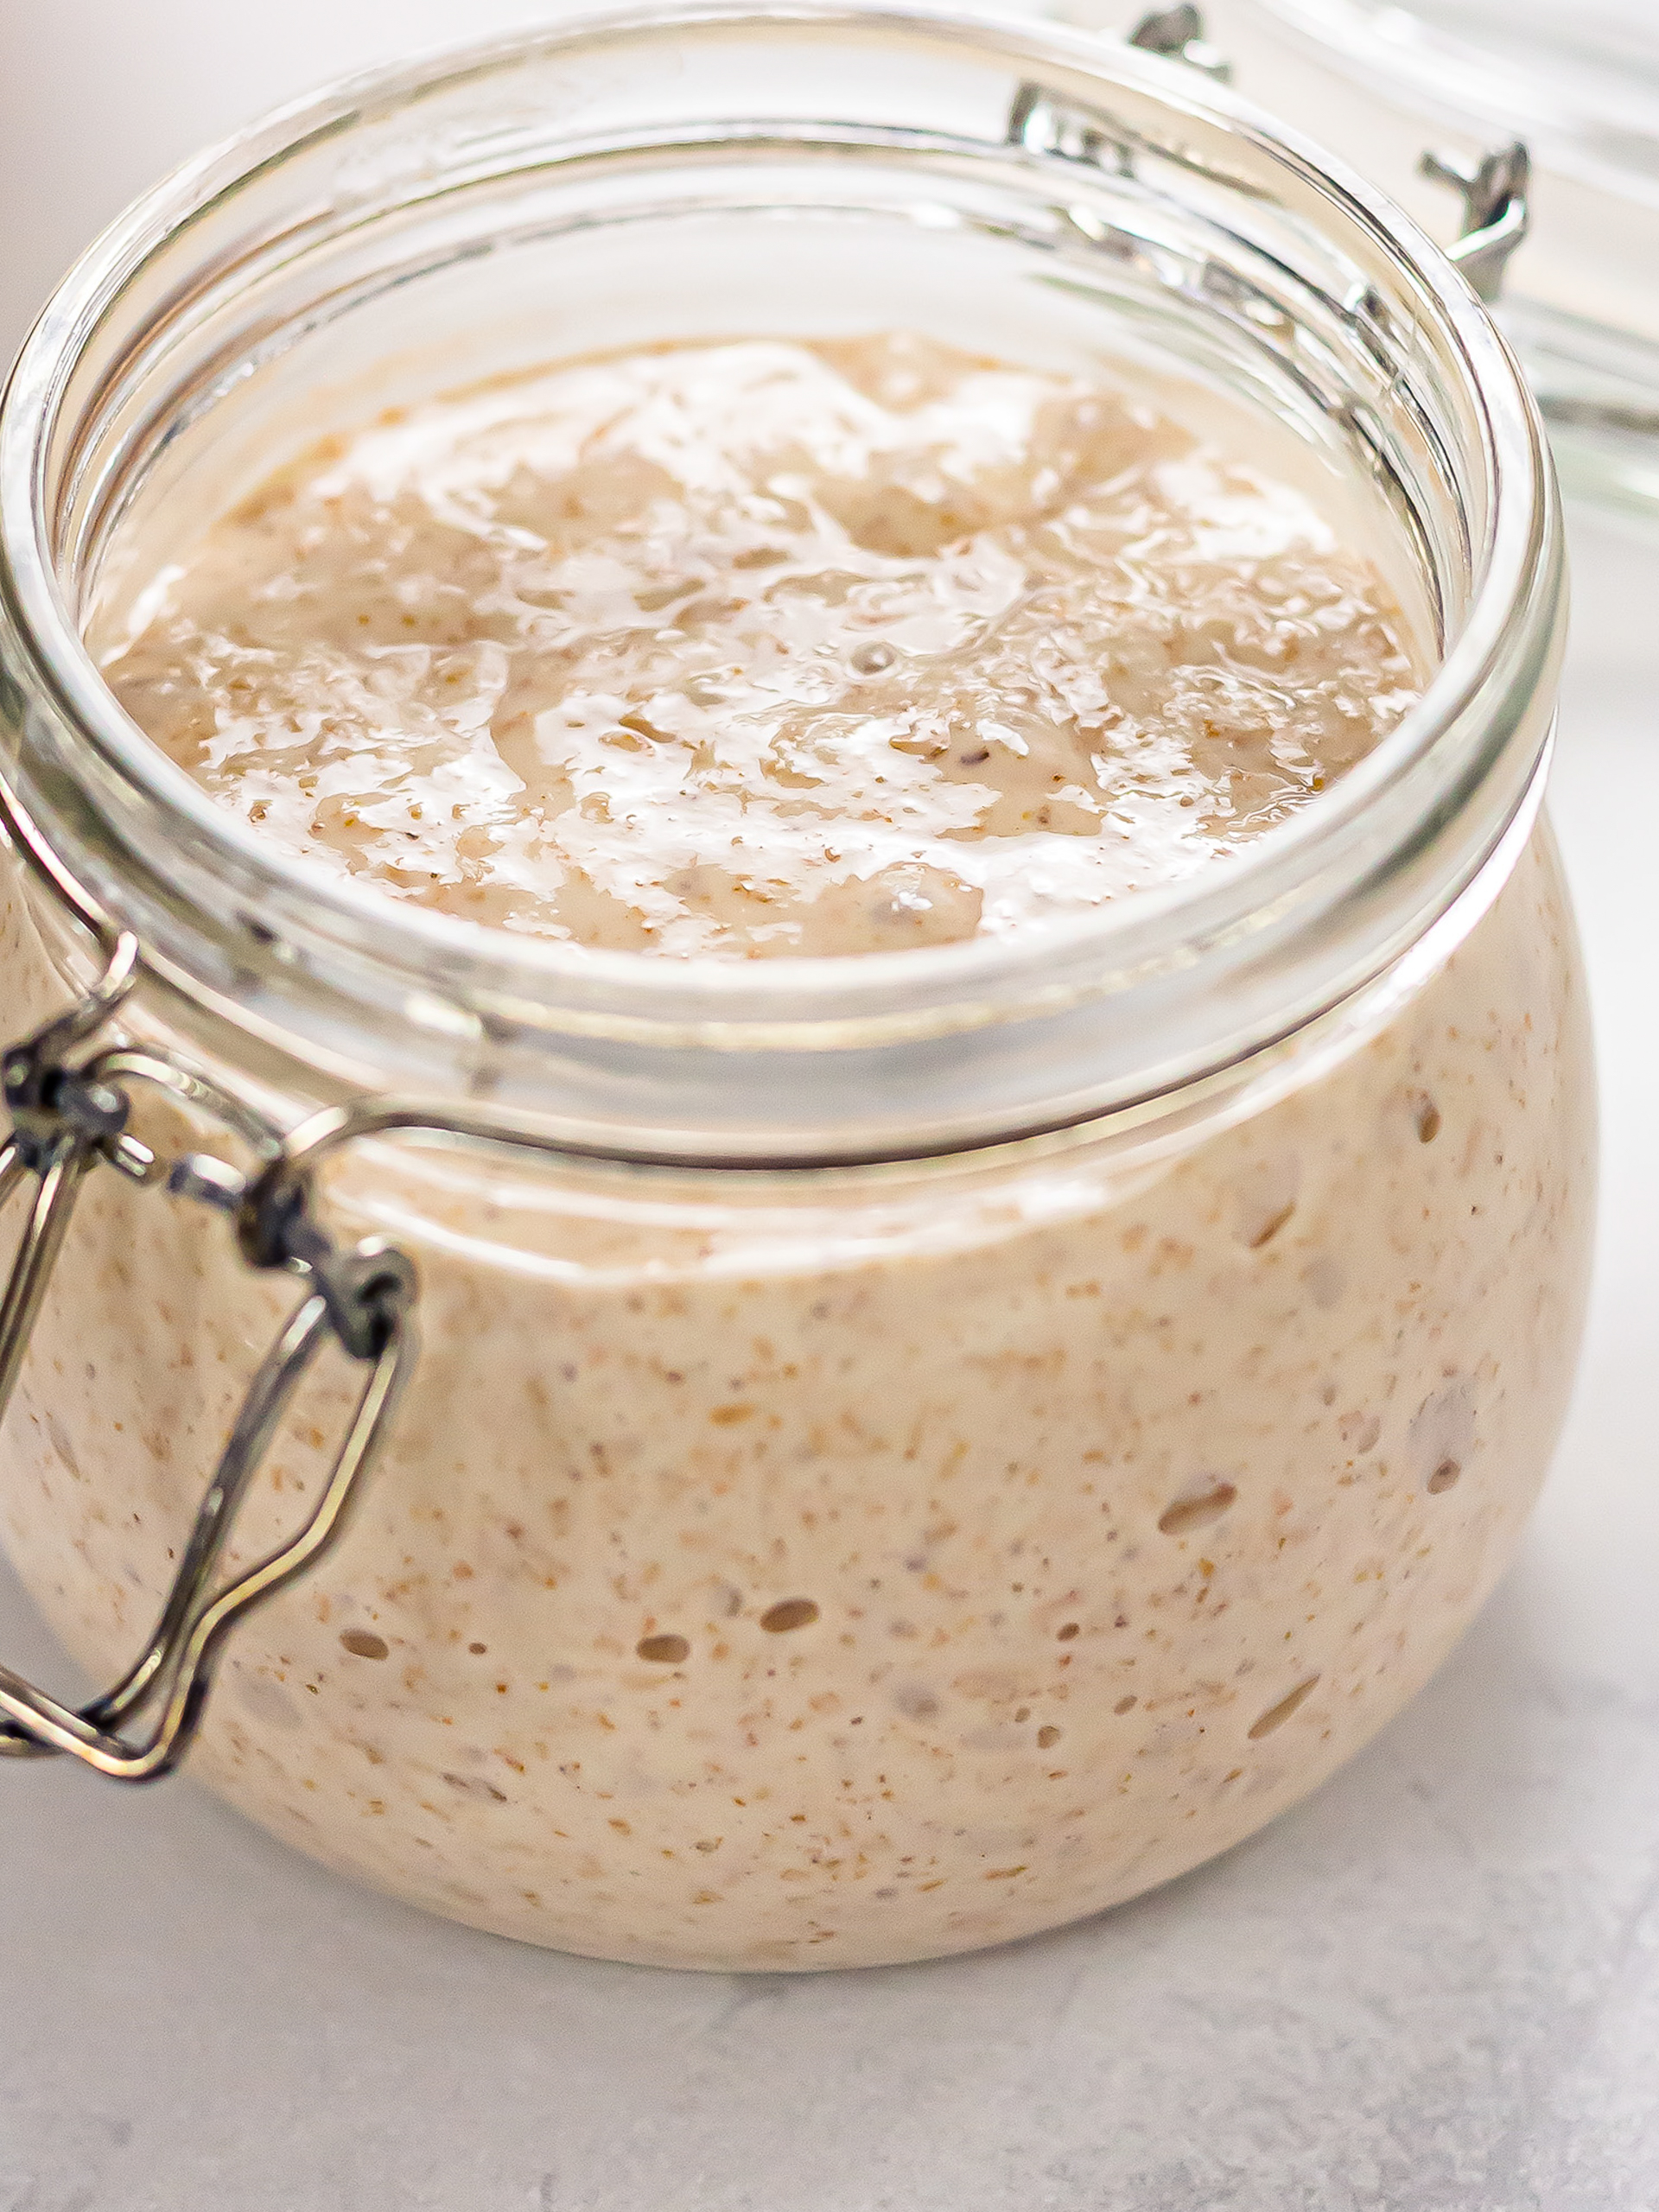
(1412, 92)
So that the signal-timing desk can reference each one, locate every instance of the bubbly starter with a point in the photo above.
(866, 1568)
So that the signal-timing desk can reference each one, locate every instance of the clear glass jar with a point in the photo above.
(906, 1451)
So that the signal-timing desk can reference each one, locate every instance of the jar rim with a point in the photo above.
(1422, 770)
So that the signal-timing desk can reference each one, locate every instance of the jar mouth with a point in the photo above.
(1158, 990)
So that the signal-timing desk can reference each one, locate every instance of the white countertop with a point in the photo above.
(1434, 1989)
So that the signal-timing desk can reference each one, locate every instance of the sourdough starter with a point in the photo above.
(798, 1572)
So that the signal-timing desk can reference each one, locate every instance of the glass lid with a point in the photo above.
(1466, 110)
(1581, 84)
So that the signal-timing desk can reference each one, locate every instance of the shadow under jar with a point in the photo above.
(905, 1451)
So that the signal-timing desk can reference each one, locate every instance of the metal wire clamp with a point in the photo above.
(1496, 214)
(1178, 32)
(69, 1115)
(1494, 189)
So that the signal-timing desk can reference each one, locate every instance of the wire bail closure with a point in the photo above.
(1494, 188)
(68, 1116)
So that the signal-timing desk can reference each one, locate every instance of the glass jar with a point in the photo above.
(906, 1451)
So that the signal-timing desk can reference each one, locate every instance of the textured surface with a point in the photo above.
(763, 647)
(1434, 1989)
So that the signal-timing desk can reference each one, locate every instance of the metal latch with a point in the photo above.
(1178, 34)
(1494, 189)
(69, 1116)
(1496, 214)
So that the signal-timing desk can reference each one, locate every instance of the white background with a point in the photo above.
(99, 98)
(1435, 1989)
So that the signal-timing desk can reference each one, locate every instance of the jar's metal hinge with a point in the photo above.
(1496, 211)
(1494, 187)
(1178, 34)
(70, 1106)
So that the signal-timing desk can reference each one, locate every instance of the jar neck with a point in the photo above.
(1275, 272)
